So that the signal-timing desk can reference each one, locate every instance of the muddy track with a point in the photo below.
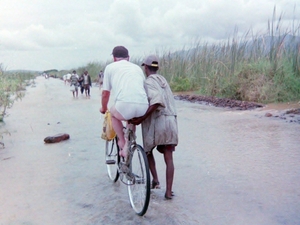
(220, 102)
(289, 115)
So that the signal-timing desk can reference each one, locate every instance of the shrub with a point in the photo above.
(12, 89)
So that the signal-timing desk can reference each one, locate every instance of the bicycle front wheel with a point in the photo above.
(112, 159)
(139, 187)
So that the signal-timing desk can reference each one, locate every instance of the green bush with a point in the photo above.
(12, 86)
(181, 84)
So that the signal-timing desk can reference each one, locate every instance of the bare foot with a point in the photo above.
(169, 196)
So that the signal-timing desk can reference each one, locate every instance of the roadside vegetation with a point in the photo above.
(12, 87)
(263, 68)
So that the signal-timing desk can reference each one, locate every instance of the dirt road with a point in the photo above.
(232, 167)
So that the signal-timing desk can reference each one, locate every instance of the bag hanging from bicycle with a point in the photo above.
(108, 132)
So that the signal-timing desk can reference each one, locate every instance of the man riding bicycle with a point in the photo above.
(126, 81)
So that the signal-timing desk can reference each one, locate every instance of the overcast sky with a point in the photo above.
(64, 34)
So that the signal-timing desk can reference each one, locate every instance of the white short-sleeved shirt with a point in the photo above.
(126, 81)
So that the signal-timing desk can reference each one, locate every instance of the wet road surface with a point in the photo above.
(231, 167)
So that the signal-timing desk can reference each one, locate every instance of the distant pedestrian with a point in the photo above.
(100, 79)
(66, 78)
(74, 83)
(69, 77)
(87, 83)
(81, 87)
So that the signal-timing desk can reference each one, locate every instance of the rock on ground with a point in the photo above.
(56, 138)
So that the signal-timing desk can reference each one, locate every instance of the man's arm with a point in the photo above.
(104, 101)
(138, 120)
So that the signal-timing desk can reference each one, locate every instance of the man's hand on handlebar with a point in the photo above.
(102, 110)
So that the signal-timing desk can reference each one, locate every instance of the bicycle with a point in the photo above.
(133, 171)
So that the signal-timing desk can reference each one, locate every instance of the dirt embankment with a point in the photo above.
(289, 115)
(219, 102)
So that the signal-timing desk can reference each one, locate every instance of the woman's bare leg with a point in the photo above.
(117, 119)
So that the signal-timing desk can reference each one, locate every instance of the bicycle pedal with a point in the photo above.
(139, 180)
(110, 161)
(131, 178)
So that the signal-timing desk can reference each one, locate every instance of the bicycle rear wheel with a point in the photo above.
(112, 159)
(139, 187)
